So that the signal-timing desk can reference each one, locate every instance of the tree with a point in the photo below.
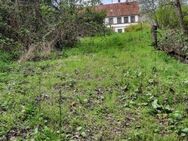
(149, 7)
(180, 14)
(32, 26)
(37, 14)
(156, 10)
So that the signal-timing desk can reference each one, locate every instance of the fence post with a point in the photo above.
(154, 35)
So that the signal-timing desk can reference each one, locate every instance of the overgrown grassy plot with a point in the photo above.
(112, 88)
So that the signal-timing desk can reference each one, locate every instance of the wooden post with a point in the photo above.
(154, 35)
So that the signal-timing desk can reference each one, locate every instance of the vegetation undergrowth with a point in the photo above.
(114, 87)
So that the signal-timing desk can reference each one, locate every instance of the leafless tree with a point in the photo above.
(149, 8)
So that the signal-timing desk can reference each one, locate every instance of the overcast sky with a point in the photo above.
(106, 1)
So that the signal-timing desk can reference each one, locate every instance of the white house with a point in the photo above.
(120, 14)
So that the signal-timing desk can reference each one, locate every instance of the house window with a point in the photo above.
(106, 20)
(126, 19)
(132, 19)
(111, 21)
(119, 30)
(119, 20)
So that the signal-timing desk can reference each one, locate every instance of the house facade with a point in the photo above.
(120, 14)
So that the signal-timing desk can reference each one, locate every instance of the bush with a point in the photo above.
(186, 22)
(175, 43)
(167, 17)
(36, 29)
(185, 12)
(137, 27)
(91, 22)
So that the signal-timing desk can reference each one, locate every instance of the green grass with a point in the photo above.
(113, 88)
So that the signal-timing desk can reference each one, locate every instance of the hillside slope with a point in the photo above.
(109, 88)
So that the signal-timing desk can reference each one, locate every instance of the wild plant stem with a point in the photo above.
(39, 91)
(60, 112)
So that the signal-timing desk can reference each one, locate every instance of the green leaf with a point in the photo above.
(185, 130)
(155, 104)
(79, 128)
(83, 134)
(177, 115)
(168, 109)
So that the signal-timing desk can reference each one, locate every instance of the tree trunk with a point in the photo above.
(180, 15)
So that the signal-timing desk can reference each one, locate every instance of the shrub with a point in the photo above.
(175, 43)
(185, 12)
(36, 29)
(167, 17)
(186, 22)
(137, 27)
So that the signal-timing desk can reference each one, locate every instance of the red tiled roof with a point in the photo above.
(120, 9)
